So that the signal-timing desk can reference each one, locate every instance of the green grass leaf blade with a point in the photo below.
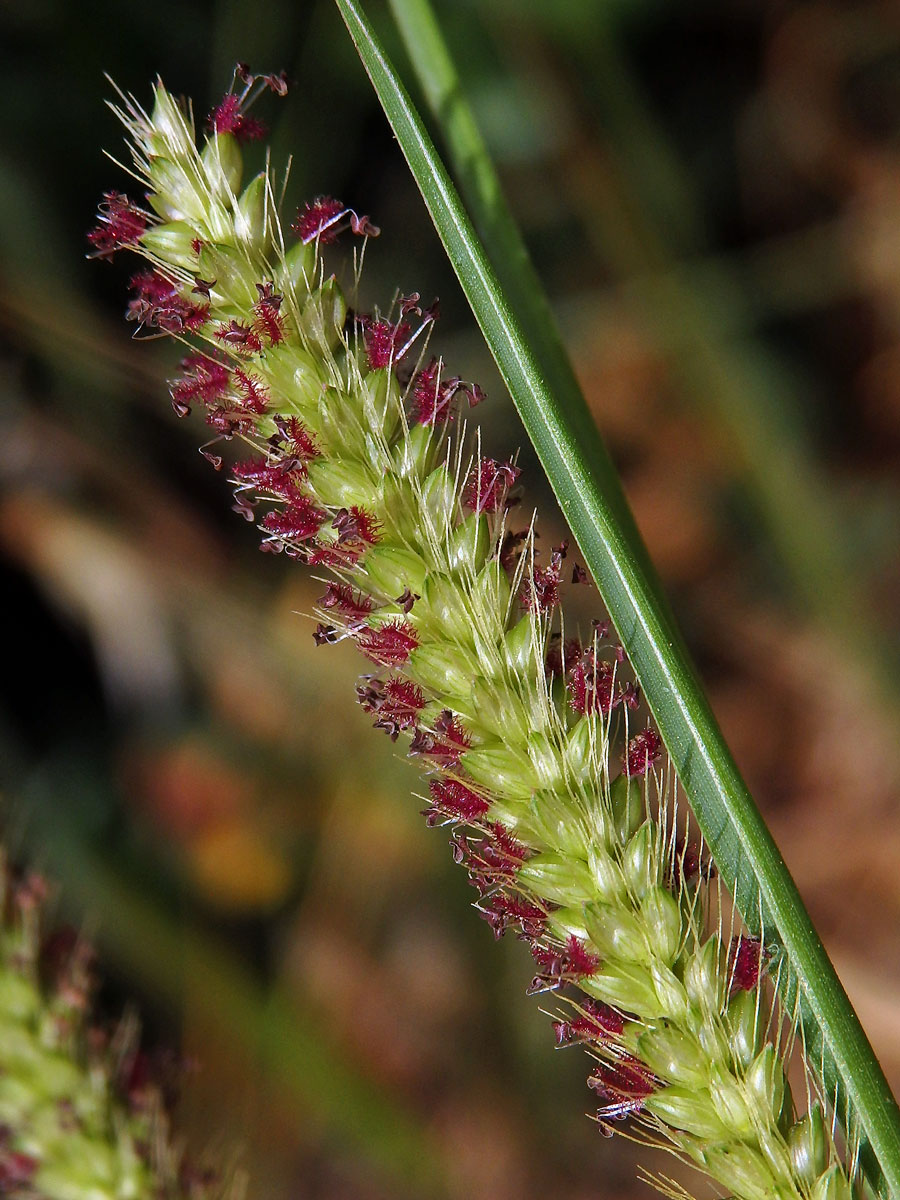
(584, 479)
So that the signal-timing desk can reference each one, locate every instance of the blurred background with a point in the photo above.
(711, 191)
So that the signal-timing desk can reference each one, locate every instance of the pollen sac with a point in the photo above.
(628, 806)
(617, 932)
(833, 1185)
(662, 917)
(808, 1146)
(675, 1055)
(742, 1170)
(223, 165)
(745, 1033)
(689, 1109)
(557, 877)
(502, 768)
(392, 569)
(702, 976)
(766, 1083)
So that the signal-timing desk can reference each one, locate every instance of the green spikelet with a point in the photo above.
(564, 817)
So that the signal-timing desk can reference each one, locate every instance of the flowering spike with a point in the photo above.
(519, 726)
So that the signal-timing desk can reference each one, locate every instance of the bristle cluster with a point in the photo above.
(561, 814)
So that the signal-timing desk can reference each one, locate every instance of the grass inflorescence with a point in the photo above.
(562, 804)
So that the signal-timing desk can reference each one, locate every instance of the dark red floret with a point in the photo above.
(747, 958)
(573, 961)
(433, 396)
(239, 337)
(17, 1171)
(298, 521)
(540, 592)
(356, 606)
(444, 743)
(325, 218)
(595, 1022)
(503, 910)
(159, 305)
(453, 799)
(356, 524)
(228, 117)
(688, 864)
(503, 846)
(329, 554)
(592, 685)
(511, 549)
(624, 1085)
(205, 379)
(488, 484)
(397, 703)
(386, 342)
(120, 225)
(320, 218)
(298, 439)
(280, 479)
(643, 749)
(253, 395)
(390, 644)
(561, 656)
(268, 324)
